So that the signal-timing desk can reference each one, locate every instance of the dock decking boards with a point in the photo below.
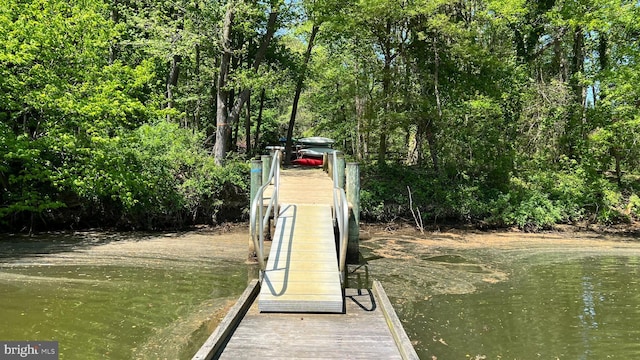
(361, 333)
(302, 271)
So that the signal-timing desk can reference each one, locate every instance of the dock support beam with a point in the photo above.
(256, 183)
(353, 197)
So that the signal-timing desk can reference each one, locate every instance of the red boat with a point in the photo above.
(311, 150)
(308, 161)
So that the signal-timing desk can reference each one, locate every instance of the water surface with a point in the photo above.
(459, 295)
(558, 298)
(134, 297)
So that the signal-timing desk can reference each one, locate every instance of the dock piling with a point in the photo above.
(353, 197)
(266, 168)
(256, 183)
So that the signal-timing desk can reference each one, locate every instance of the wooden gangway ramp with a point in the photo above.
(369, 329)
(302, 272)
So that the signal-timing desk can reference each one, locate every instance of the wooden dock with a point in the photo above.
(306, 186)
(300, 309)
(369, 329)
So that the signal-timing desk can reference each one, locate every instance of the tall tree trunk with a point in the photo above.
(433, 149)
(296, 97)
(436, 90)
(172, 81)
(603, 57)
(198, 104)
(413, 145)
(360, 103)
(224, 117)
(236, 63)
(576, 118)
(234, 139)
(360, 114)
(223, 131)
(386, 93)
(247, 129)
(384, 127)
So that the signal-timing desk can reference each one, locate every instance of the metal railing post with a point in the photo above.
(266, 167)
(339, 169)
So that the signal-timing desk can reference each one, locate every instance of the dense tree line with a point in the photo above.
(142, 114)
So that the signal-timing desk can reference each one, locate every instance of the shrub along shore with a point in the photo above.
(144, 182)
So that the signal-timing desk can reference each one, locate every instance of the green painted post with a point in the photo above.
(353, 197)
(339, 167)
(256, 178)
(266, 168)
(256, 183)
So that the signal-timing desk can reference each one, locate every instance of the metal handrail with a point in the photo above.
(340, 216)
(259, 218)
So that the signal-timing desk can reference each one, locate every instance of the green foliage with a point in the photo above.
(158, 176)
(533, 201)
(504, 113)
(25, 178)
(633, 207)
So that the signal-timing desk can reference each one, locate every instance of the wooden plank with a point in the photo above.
(397, 330)
(223, 332)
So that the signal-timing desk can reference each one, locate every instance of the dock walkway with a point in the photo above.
(360, 333)
(300, 309)
(369, 329)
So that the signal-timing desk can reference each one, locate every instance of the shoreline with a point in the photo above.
(404, 226)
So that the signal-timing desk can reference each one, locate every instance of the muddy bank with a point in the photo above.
(468, 237)
(459, 261)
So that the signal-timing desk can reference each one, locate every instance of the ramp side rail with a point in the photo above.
(259, 219)
(341, 217)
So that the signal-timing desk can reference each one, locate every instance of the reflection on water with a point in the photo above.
(514, 304)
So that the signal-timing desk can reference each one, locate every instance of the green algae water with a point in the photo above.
(141, 297)
(546, 299)
(459, 296)
(587, 308)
